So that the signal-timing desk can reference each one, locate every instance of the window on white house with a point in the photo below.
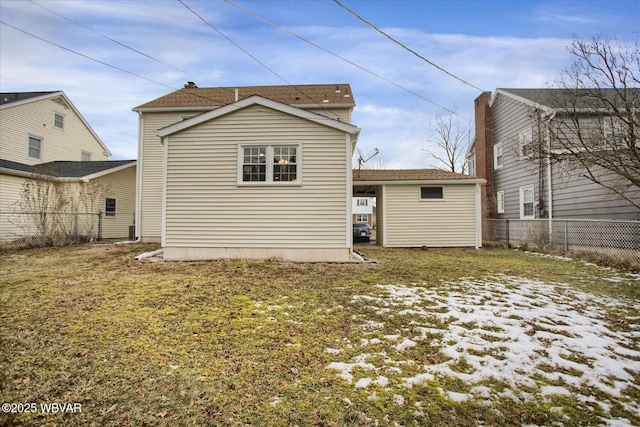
(431, 193)
(35, 147)
(500, 201)
(525, 144)
(471, 164)
(362, 218)
(86, 156)
(110, 207)
(526, 202)
(362, 202)
(498, 158)
(58, 120)
(269, 164)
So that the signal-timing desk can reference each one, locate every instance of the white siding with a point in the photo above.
(412, 222)
(206, 208)
(36, 118)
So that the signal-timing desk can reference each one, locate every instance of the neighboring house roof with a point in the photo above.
(12, 99)
(191, 96)
(66, 169)
(573, 98)
(257, 100)
(410, 175)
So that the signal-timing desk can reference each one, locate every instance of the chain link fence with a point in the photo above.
(28, 229)
(605, 241)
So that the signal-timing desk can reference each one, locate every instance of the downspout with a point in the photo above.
(349, 219)
(549, 173)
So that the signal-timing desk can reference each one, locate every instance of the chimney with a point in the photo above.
(484, 153)
(190, 85)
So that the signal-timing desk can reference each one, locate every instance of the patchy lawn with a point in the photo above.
(438, 337)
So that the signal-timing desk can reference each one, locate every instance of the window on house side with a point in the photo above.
(500, 201)
(58, 120)
(362, 202)
(498, 157)
(431, 193)
(526, 202)
(269, 164)
(525, 140)
(110, 207)
(362, 218)
(35, 147)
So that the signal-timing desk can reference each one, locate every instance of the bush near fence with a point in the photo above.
(611, 242)
(28, 229)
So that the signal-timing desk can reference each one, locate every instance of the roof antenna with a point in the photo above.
(362, 160)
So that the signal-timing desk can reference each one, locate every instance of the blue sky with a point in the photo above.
(487, 43)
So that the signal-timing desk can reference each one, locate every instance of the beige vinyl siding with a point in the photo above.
(12, 226)
(151, 178)
(412, 222)
(205, 206)
(335, 113)
(36, 118)
(10, 190)
(120, 185)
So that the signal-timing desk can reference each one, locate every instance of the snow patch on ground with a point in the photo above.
(538, 339)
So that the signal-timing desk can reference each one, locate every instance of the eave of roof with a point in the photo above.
(66, 170)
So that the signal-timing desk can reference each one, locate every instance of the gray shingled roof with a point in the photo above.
(65, 169)
(406, 175)
(9, 97)
(574, 98)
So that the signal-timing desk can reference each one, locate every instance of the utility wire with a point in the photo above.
(405, 47)
(109, 38)
(340, 57)
(250, 55)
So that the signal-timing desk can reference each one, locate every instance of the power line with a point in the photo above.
(251, 56)
(340, 57)
(405, 47)
(109, 38)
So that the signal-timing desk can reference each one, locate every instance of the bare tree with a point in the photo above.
(591, 124)
(450, 141)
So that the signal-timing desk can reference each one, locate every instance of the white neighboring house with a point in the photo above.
(364, 210)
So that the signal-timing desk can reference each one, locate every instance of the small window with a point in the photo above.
(86, 156)
(35, 147)
(362, 218)
(500, 201)
(498, 158)
(362, 202)
(526, 202)
(58, 120)
(431, 193)
(110, 207)
(269, 164)
(525, 143)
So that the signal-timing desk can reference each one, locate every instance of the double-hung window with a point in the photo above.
(269, 164)
(500, 201)
(58, 120)
(110, 207)
(526, 202)
(498, 157)
(34, 150)
(525, 142)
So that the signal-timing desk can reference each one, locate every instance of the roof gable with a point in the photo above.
(20, 98)
(257, 100)
(320, 96)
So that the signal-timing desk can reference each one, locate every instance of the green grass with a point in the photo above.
(238, 342)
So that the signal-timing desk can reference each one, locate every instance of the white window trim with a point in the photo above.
(495, 156)
(365, 216)
(269, 165)
(64, 119)
(525, 138)
(41, 139)
(444, 194)
(88, 153)
(115, 213)
(533, 197)
(500, 202)
(362, 203)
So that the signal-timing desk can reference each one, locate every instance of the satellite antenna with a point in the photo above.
(362, 160)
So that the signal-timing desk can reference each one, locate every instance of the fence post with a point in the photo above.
(507, 225)
(100, 225)
(44, 229)
(76, 231)
(566, 237)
